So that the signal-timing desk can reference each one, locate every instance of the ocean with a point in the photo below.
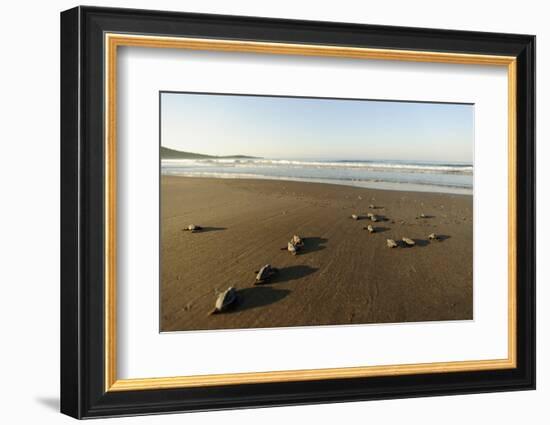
(421, 176)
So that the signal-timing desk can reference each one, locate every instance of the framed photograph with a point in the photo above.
(261, 212)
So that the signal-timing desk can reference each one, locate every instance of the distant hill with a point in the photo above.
(167, 153)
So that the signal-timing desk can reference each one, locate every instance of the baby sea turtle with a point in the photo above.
(295, 245)
(297, 241)
(293, 249)
(192, 228)
(265, 274)
(370, 228)
(225, 300)
(433, 237)
(391, 243)
(409, 242)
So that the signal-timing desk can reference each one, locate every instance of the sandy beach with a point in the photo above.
(344, 275)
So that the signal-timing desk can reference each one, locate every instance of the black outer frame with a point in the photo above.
(82, 212)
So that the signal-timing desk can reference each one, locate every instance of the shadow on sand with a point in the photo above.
(258, 296)
(426, 242)
(419, 242)
(207, 229)
(287, 274)
(312, 244)
(380, 229)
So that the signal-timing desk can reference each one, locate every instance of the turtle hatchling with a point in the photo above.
(297, 241)
(293, 249)
(225, 300)
(391, 243)
(265, 274)
(409, 242)
(192, 228)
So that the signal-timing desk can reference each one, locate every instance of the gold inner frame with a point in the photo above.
(113, 41)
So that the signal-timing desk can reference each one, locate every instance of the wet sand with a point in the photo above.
(344, 275)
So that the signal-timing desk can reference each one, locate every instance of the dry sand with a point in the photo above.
(345, 275)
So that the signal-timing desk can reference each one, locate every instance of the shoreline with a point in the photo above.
(344, 274)
(371, 185)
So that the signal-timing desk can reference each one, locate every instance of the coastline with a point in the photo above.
(373, 185)
(416, 176)
(345, 275)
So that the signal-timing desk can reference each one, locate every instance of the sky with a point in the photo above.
(316, 128)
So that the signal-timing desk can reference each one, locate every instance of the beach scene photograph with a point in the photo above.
(279, 211)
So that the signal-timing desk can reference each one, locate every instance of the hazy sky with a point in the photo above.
(282, 127)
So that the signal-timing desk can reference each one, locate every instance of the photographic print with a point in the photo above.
(294, 211)
(320, 190)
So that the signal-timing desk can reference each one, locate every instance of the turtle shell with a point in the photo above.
(264, 273)
(297, 240)
(391, 243)
(226, 299)
(409, 242)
